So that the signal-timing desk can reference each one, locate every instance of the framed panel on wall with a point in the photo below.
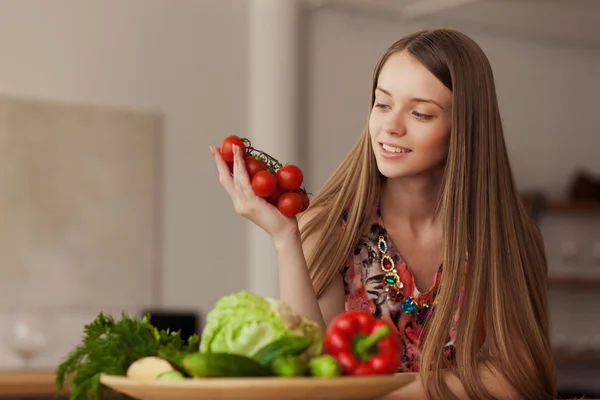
(79, 206)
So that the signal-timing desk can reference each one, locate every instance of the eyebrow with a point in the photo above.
(414, 99)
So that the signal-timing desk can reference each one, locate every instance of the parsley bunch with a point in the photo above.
(110, 347)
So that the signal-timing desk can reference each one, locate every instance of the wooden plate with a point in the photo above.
(271, 388)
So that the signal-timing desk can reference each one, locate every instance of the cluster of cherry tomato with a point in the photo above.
(280, 185)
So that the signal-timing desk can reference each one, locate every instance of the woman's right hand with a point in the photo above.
(246, 202)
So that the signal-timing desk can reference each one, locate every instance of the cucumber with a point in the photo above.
(213, 365)
(286, 346)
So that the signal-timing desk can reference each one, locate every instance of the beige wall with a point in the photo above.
(187, 61)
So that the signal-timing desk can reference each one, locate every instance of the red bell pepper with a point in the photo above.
(362, 344)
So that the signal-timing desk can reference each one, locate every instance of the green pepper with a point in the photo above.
(324, 366)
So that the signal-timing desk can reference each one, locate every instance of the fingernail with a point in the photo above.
(212, 151)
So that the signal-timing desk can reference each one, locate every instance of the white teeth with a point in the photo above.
(391, 149)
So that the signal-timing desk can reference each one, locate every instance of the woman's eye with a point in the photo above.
(423, 117)
(381, 105)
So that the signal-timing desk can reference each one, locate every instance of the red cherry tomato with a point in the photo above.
(289, 177)
(227, 150)
(264, 183)
(290, 204)
(274, 197)
(305, 199)
(253, 165)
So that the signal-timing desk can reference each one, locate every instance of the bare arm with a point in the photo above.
(296, 287)
(493, 381)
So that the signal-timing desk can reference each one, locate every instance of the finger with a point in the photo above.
(240, 173)
(225, 177)
(241, 180)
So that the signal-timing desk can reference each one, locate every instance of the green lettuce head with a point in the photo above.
(242, 323)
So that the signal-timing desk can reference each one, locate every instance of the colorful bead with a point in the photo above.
(387, 263)
(424, 312)
(394, 294)
(393, 286)
(382, 244)
(409, 306)
(391, 279)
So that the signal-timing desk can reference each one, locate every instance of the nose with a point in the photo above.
(394, 124)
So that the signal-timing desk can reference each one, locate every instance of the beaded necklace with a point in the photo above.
(393, 286)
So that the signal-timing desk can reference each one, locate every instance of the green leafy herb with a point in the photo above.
(110, 347)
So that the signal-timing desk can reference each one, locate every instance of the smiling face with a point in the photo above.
(411, 118)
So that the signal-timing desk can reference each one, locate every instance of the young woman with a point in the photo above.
(422, 225)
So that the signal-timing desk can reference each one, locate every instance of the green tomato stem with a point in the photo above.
(272, 163)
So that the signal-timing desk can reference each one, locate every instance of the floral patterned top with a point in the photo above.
(365, 274)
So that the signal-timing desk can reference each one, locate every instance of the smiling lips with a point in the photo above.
(392, 151)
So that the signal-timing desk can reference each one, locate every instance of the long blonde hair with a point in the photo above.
(505, 284)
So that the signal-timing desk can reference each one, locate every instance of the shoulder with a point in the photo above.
(313, 220)
(317, 219)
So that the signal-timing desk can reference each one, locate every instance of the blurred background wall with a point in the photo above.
(203, 66)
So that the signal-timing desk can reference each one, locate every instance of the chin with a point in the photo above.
(393, 172)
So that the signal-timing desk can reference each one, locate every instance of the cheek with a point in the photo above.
(373, 127)
(435, 142)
